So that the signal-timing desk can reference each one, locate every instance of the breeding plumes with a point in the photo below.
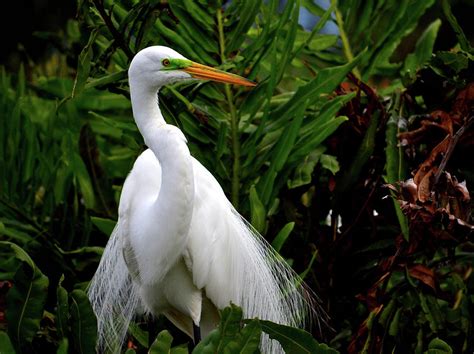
(179, 247)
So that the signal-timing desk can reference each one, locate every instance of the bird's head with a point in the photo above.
(158, 65)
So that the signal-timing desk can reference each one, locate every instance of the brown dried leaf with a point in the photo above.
(409, 190)
(432, 160)
(462, 191)
(443, 120)
(358, 339)
(424, 274)
(201, 116)
(463, 103)
(437, 120)
(424, 186)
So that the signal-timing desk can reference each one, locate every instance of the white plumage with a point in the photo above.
(179, 247)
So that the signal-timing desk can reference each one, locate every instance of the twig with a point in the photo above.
(366, 89)
(452, 145)
(346, 47)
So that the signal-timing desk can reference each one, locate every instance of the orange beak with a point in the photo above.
(204, 72)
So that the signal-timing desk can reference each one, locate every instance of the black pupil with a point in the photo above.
(166, 62)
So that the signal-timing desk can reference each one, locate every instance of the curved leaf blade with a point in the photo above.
(26, 299)
(83, 322)
(295, 340)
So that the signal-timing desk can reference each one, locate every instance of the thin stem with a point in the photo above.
(183, 99)
(220, 26)
(346, 47)
(234, 121)
(452, 144)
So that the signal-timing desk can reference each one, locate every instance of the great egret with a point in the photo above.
(179, 247)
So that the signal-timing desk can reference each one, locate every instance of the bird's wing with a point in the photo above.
(115, 298)
(142, 183)
(233, 263)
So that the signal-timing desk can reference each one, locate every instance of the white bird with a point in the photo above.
(179, 247)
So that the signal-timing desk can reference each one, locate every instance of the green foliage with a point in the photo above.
(230, 336)
(83, 322)
(295, 340)
(25, 300)
(233, 337)
(6, 344)
(162, 343)
(306, 156)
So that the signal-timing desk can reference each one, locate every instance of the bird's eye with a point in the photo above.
(165, 62)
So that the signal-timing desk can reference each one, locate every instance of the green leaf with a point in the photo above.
(395, 323)
(139, 334)
(439, 346)
(325, 82)
(330, 163)
(403, 21)
(107, 79)
(295, 340)
(180, 349)
(6, 346)
(63, 347)
(162, 343)
(247, 12)
(84, 66)
(423, 50)
(62, 310)
(176, 38)
(257, 211)
(463, 41)
(83, 179)
(456, 61)
(26, 299)
(323, 41)
(104, 225)
(280, 154)
(230, 337)
(431, 310)
(199, 15)
(304, 171)
(313, 7)
(247, 341)
(197, 34)
(395, 166)
(83, 322)
(305, 272)
(282, 236)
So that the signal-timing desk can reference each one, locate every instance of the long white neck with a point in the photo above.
(172, 210)
(146, 111)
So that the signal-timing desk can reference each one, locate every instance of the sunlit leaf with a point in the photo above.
(162, 343)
